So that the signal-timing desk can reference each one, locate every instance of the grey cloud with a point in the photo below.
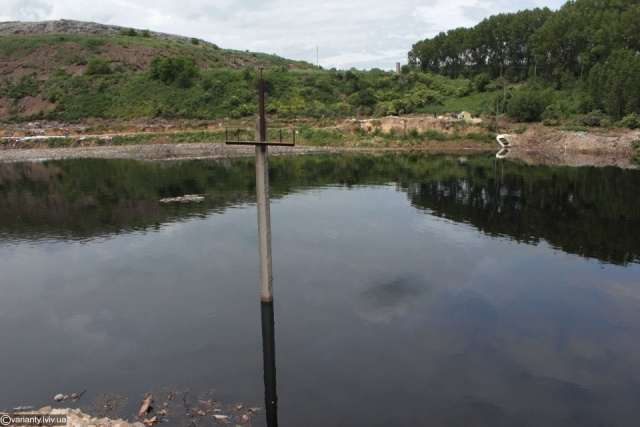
(372, 34)
(32, 10)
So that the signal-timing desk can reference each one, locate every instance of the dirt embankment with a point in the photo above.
(537, 145)
(543, 145)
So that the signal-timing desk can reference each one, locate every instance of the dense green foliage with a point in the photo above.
(534, 42)
(97, 65)
(591, 212)
(589, 47)
(578, 66)
(499, 45)
(181, 70)
(175, 86)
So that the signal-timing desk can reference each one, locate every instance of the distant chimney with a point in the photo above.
(398, 67)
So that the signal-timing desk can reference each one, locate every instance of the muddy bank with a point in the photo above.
(541, 145)
(537, 145)
(147, 152)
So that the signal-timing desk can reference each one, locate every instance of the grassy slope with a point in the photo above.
(43, 76)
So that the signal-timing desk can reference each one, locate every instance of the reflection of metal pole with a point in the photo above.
(269, 359)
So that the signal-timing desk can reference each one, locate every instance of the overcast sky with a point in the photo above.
(348, 33)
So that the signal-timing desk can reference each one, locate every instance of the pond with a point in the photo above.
(409, 289)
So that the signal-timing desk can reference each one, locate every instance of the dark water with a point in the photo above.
(409, 290)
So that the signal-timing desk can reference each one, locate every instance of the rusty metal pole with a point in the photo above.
(262, 197)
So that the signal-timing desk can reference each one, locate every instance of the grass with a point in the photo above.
(475, 103)
(635, 151)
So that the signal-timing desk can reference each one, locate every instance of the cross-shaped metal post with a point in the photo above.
(262, 195)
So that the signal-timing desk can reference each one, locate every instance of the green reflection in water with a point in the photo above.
(586, 211)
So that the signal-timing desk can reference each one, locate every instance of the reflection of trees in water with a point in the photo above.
(587, 211)
(583, 211)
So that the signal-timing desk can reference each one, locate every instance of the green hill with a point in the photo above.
(533, 65)
(71, 76)
(133, 74)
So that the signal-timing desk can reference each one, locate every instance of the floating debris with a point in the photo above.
(187, 198)
(146, 406)
(151, 421)
(23, 408)
(64, 397)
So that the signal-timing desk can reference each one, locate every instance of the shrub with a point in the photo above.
(631, 121)
(595, 118)
(97, 65)
(460, 92)
(27, 85)
(526, 106)
(635, 151)
(521, 129)
(482, 82)
(552, 115)
(181, 70)
(128, 32)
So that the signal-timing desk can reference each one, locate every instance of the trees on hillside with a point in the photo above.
(534, 42)
(499, 44)
(615, 83)
(593, 42)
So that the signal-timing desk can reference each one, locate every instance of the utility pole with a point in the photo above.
(264, 252)
(262, 194)
(263, 201)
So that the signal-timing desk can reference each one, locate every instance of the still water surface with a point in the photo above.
(409, 290)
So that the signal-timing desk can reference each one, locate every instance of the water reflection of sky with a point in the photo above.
(385, 315)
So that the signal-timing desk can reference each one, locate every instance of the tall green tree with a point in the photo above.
(615, 84)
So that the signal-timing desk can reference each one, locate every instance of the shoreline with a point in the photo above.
(552, 154)
(538, 144)
(532, 143)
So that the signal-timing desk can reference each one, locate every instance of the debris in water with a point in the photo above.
(146, 406)
(187, 198)
(64, 397)
(151, 421)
